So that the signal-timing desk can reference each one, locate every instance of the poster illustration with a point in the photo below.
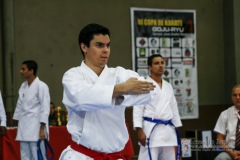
(171, 33)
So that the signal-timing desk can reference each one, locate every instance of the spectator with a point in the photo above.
(227, 128)
(52, 116)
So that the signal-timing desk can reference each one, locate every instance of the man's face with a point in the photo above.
(52, 109)
(157, 67)
(236, 97)
(25, 72)
(98, 52)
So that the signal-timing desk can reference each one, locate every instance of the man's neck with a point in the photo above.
(157, 78)
(30, 80)
(97, 69)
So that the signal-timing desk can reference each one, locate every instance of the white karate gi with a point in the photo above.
(3, 119)
(95, 121)
(164, 107)
(32, 109)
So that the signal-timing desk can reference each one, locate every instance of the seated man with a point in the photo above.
(227, 129)
(52, 115)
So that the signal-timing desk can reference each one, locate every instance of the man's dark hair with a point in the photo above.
(31, 65)
(52, 104)
(151, 58)
(87, 33)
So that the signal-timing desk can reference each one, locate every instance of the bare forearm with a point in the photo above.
(141, 136)
(119, 90)
(43, 125)
(224, 145)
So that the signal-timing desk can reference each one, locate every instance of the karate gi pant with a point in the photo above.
(71, 154)
(28, 150)
(223, 156)
(158, 153)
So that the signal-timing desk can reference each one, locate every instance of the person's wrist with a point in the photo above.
(139, 129)
(231, 152)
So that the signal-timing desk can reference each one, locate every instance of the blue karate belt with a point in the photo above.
(169, 122)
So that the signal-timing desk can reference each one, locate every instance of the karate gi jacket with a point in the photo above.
(95, 119)
(164, 107)
(3, 119)
(32, 108)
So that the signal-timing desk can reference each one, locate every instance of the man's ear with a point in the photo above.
(83, 47)
(31, 70)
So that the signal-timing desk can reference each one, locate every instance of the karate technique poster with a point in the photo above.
(171, 33)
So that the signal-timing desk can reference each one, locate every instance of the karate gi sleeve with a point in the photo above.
(176, 117)
(81, 95)
(138, 116)
(3, 118)
(44, 99)
(17, 113)
(133, 100)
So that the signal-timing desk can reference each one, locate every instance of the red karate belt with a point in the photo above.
(96, 155)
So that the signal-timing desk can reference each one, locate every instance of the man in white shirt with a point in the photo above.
(32, 111)
(96, 97)
(226, 128)
(3, 119)
(155, 122)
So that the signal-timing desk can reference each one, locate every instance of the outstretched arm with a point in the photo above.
(133, 86)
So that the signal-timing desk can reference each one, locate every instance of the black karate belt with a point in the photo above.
(167, 122)
(47, 147)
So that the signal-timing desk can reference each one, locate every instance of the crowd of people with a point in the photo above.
(96, 97)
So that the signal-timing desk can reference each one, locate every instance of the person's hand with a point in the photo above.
(42, 131)
(3, 131)
(42, 134)
(141, 136)
(235, 154)
(135, 86)
(237, 158)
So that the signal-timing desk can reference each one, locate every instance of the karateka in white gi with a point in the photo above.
(96, 97)
(32, 111)
(163, 107)
(3, 118)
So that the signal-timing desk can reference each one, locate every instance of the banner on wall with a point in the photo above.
(171, 33)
